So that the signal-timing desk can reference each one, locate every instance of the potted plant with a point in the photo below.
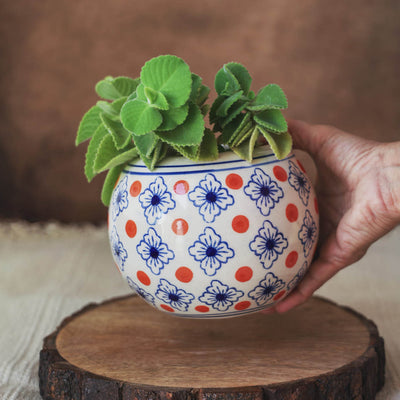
(202, 223)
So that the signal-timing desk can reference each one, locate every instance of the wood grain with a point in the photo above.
(123, 349)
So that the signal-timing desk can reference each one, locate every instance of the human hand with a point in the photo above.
(358, 190)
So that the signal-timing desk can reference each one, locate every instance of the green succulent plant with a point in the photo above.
(162, 113)
(243, 117)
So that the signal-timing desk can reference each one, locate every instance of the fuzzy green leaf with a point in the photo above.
(241, 124)
(92, 150)
(204, 109)
(173, 117)
(140, 94)
(156, 99)
(119, 134)
(190, 152)
(272, 120)
(112, 109)
(234, 111)
(169, 75)
(139, 117)
(107, 109)
(144, 158)
(281, 144)
(208, 147)
(243, 151)
(146, 143)
(88, 125)
(270, 97)
(225, 82)
(196, 84)
(246, 148)
(106, 152)
(119, 159)
(125, 85)
(243, 135)
(190, 133)
(117, 104)
(231, 128)
(133, 96)
(164, 151)
(109, 184)
(242, 132)
(202, 96)
(241, 74)
(224, 107)
(156, 154)
(113, 88)
(214, 107)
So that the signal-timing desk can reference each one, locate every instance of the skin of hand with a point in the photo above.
(358, 191)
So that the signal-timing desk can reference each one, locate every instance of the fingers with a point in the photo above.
(313, 138)
(304, 136)
(319, 273)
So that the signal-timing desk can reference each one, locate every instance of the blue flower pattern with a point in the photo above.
(119, 199)
(210, 198)
(308, 233)
(264, 191)
(154, 251)
(118, 250)
(156, 201)
(176, 298)
(267, 289)
(142, 293)
(299, 182)
(221, 297)
(211, 251)
(268, 244)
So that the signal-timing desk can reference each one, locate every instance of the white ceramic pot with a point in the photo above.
(215, 239)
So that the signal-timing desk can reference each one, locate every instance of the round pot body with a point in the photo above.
(215, 239)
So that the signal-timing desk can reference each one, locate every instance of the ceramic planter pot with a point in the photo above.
(215, 239)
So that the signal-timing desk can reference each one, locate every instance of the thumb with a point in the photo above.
(306, 137)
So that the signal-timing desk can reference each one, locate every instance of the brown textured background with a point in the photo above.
(338, 62)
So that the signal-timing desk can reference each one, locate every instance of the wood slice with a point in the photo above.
(123, 349)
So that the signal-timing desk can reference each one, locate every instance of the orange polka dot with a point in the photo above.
(301, 166)
(242, 305)
(184, 274)
(166, 308)
(240, 224)
(180, 226)
(316, 205)
(234, 181)
(244, 274)
(291, 259)
(181, 187)
(202, 309)
(280, 173)
(279, 295)
(130, 228)
(135, 188)
(143, 277)
(292, 213)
